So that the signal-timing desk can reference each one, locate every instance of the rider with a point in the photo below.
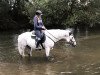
(38, 27)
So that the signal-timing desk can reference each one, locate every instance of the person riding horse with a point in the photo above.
(38, 27)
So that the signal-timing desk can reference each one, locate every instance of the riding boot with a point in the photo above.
(37, 44)
(42, 46)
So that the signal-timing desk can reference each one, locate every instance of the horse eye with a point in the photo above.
(70, 34)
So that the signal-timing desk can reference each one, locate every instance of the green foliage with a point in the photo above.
(65, 13)
(56, 13)
(4, 8)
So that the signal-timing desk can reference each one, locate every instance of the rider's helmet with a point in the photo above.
(38, 12)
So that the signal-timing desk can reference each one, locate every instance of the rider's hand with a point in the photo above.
(43, 27)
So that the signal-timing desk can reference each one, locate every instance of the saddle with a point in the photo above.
(33, 36)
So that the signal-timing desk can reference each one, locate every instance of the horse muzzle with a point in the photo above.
(73, 43)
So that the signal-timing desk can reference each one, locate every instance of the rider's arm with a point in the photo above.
(36, 24)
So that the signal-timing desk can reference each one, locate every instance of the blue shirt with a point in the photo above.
(38, 23)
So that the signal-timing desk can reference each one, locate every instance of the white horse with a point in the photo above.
(52, 36)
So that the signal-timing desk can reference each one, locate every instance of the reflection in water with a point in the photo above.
(49, 70)
(82, 60)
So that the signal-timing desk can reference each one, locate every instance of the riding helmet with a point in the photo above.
(38, 12)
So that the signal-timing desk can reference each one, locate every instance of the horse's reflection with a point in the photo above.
(36, 69)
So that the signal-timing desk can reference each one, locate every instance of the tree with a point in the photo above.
(57, 13)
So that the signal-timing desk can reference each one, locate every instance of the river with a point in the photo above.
(81, 60)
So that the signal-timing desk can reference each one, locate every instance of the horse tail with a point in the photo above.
(21, 45)
(20, 50)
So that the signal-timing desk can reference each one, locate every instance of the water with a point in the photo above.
(81, 60)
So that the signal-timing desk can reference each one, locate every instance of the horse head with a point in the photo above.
(69, 37)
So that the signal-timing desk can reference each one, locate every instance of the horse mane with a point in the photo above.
(54, 29)
(70, 30)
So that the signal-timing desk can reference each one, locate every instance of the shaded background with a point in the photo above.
(81, 14)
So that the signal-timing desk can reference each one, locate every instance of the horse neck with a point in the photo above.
(56, 35)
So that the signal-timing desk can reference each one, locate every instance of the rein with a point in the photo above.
(52, 35)
(50, 38)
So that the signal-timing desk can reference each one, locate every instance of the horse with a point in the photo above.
(52, 36)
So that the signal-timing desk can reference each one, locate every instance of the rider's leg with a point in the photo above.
(42, 40)
(38, 38)
(37, 44)
(42, 46)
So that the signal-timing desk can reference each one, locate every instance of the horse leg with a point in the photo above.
(23, 51)
(47, 51)
(50, 58)
(31, 52)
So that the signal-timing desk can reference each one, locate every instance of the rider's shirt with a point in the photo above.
(38, 23)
